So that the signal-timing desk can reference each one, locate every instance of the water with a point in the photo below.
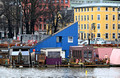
(113, 72)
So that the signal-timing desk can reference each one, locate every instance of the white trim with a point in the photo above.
(70, 40)
(97, 17)
(97, 26)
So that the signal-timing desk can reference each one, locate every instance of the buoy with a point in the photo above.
(86, 72)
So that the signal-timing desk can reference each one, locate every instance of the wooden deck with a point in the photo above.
(96, 65)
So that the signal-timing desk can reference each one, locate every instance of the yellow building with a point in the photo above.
(98, 20)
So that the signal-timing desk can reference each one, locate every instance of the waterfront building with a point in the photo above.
(100, 20)
(20, 55)
(63, 38)
(83, 53)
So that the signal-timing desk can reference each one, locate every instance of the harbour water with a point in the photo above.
(112, 72)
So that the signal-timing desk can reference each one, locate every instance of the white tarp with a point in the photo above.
(24, 53)
(15, 53)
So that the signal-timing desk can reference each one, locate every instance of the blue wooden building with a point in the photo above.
(64, 38)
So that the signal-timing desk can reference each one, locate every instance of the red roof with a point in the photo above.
(115, 57)
(102, 52)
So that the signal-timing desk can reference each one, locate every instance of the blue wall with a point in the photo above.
(51, 41)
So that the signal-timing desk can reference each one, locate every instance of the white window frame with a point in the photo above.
(98, 16)
(81, 17)
(75, 18)
(98, 25)
(98, 8)
(84, 26)
(81, 26)
(91, 17)
(87, 26)
(70, 40)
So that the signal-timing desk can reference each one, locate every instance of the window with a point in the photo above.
(44, 26)
(85, 54)
(84, 26)
(98, 34)
(119, 35)
(70, 39)
(44, 20)
(81, 18)
(84, 9)
(81, 9)
(92, 9)
(113, 35)
(106, 26)
(40, 26)
(84, 17)
(53, 1)
(87, 9)
(78, 10)
(89, 54)
(1, 56)
(57, 1)
(118, 16)
(98, 8)
(66, 1)
(106, 8)
(106, 17)
(87, 17)
(75, 18)
(119, 9)
(61, 1)
(59, 39)
(75, 10)
(113, 17)
(87, 26)
(98, 26)
(98, 17)
(106, 35)
(87, 35)
(91, 17)
(113, 26)
(81, 26)
(118, 26)
(84, 35)
(40, 19)
(113, 9)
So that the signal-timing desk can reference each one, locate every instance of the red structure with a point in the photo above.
(41, 22)
(83, 53)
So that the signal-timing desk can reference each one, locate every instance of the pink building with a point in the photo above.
(115, 57)
(103, 52)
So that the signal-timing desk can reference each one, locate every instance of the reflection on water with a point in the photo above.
(59, 72)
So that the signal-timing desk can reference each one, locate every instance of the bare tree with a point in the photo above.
(9, 12)
(31, 13)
